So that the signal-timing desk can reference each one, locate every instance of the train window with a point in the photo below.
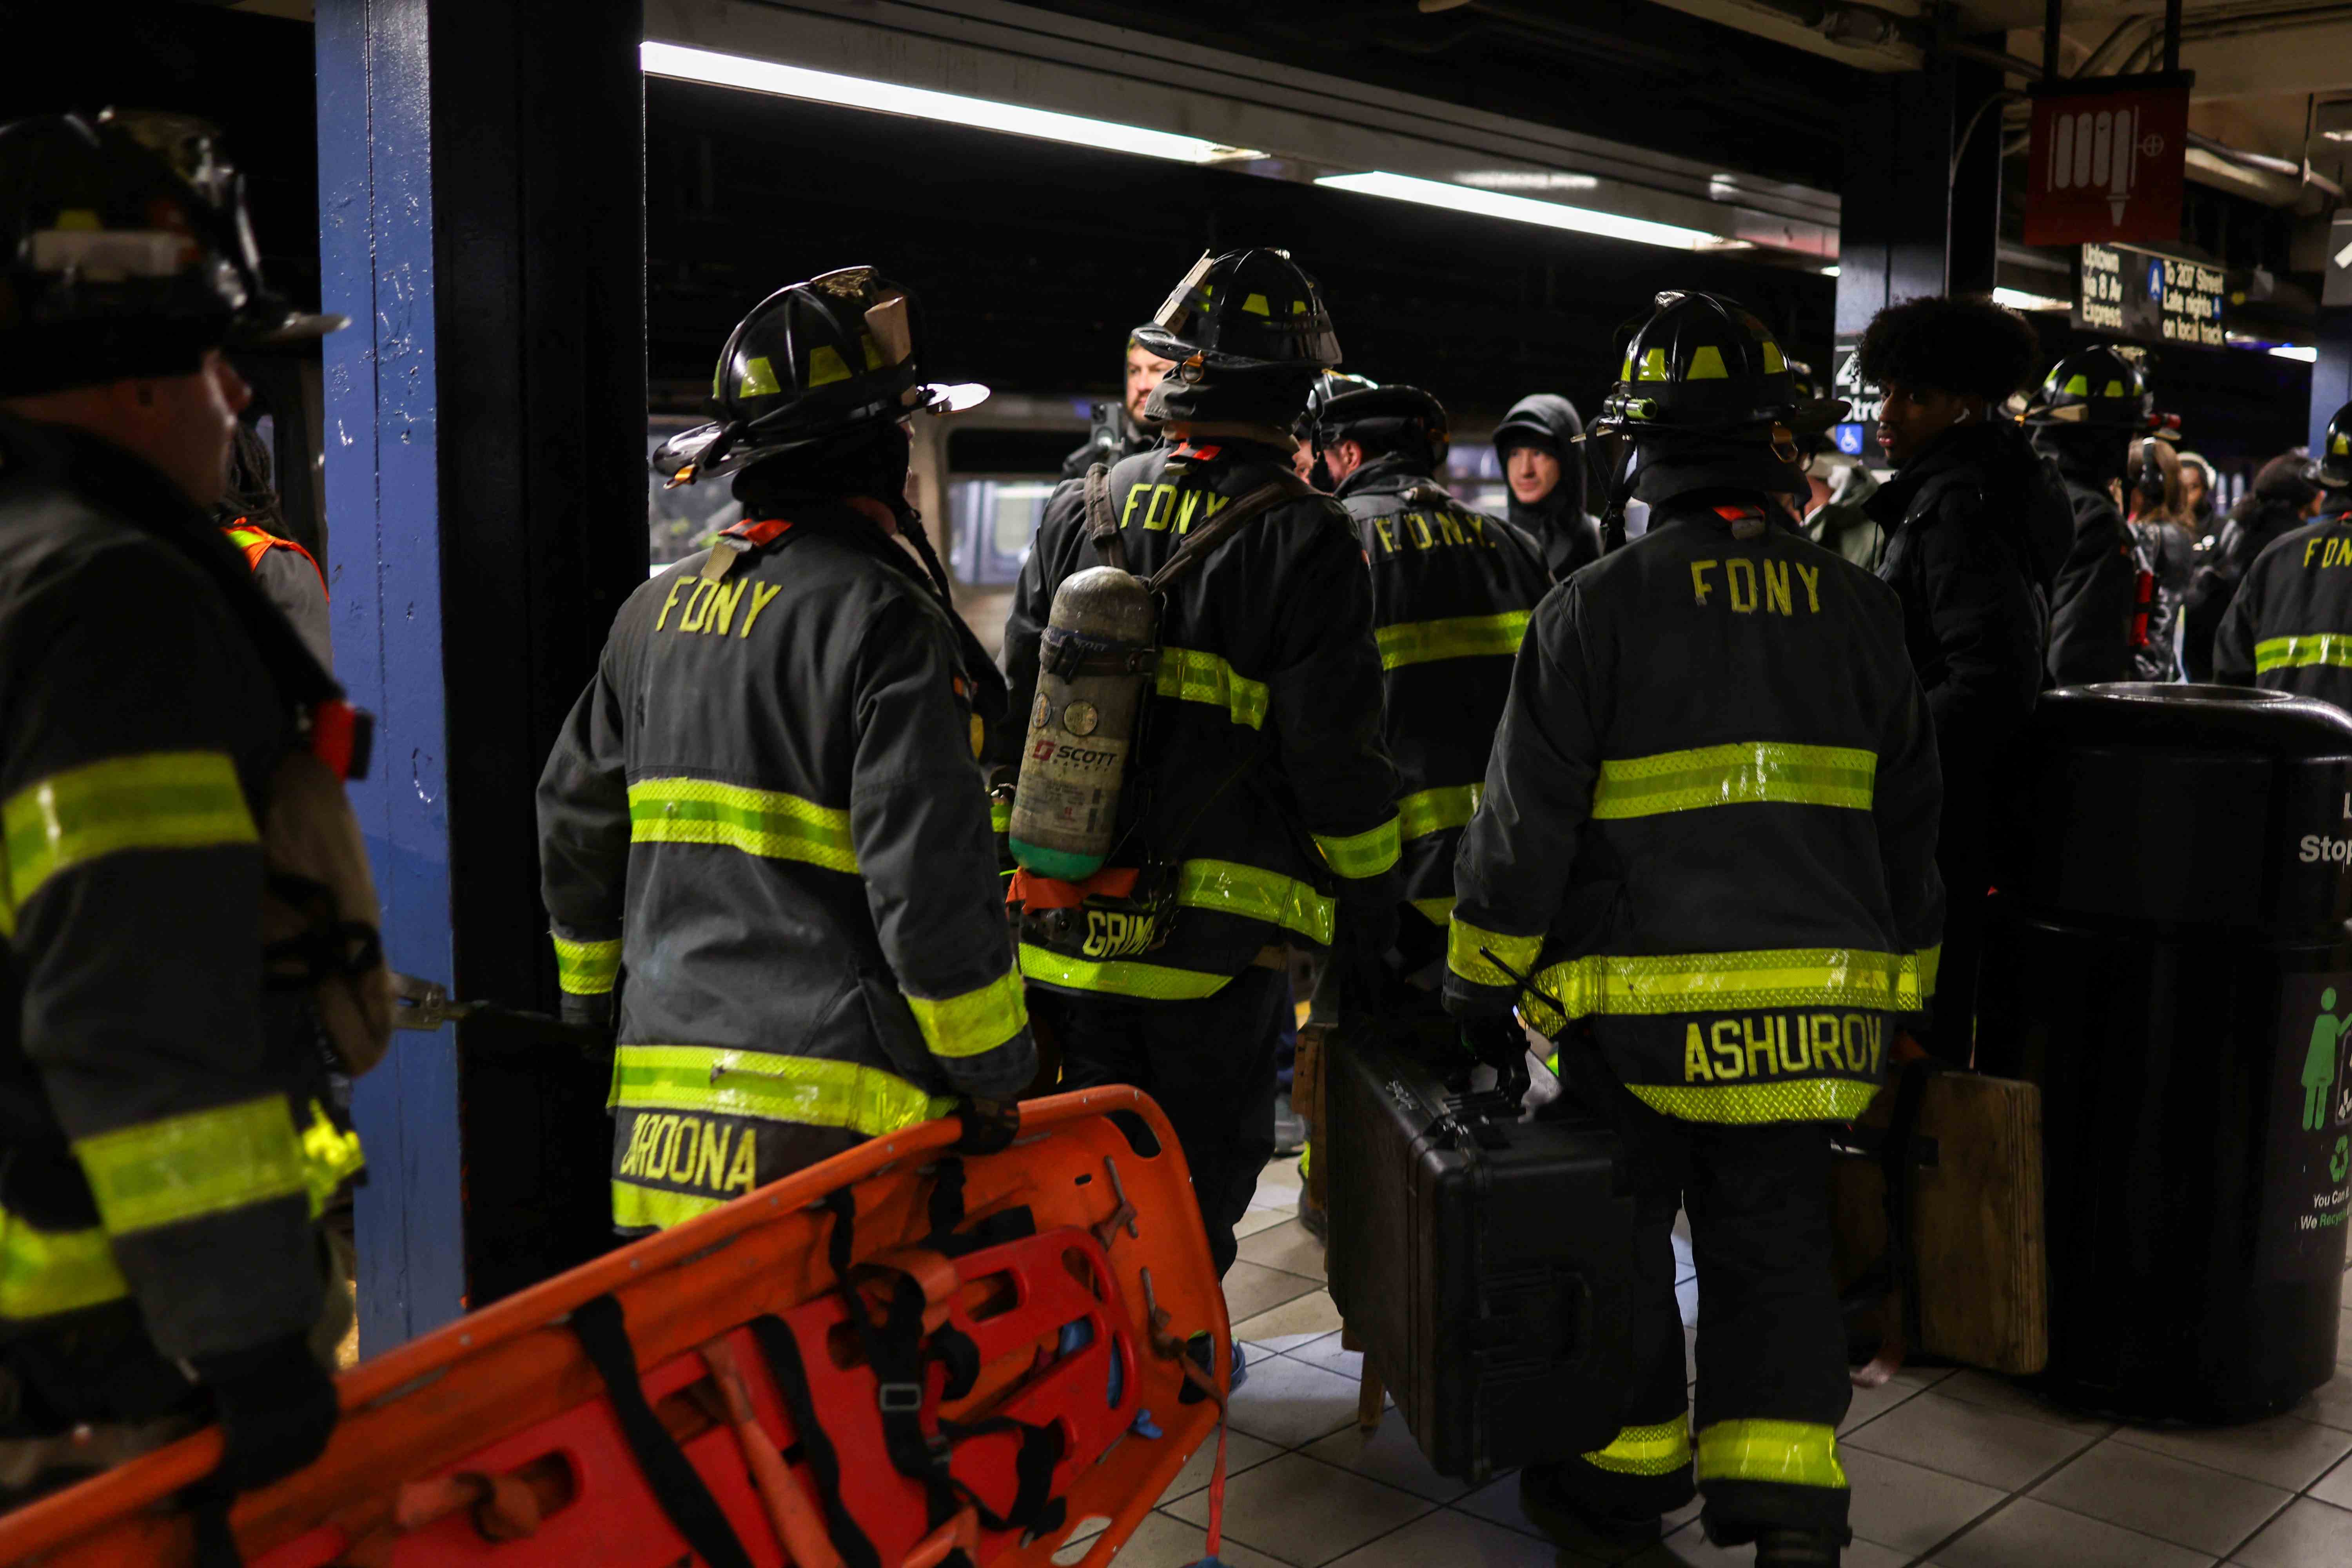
(991, 521)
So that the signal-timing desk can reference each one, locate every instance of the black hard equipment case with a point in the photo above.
(1484, 1263)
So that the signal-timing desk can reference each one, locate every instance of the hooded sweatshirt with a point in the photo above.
(1570, 535)
(2273, 508)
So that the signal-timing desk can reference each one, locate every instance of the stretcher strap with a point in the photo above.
(899, 1352)
(791, 1374)
(668, 1473)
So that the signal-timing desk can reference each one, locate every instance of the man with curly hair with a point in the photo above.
(1977, 525)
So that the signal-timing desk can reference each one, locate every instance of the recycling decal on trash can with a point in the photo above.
(2310, 1144)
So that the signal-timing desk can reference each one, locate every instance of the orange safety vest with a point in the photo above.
(257, 543)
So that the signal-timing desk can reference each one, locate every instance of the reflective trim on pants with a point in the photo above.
(586, 968)
(179, 1168)
(1784, 1453)
(1658, 1450)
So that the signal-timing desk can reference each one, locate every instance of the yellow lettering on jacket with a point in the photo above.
(634, 1158)
(1161, 509)
(1478, 526)
(671, 603)
(1771, 1051)
(1776, 589)
(1822, 1028)
(743, 1173)
(761, 594)
(1699, 590)
(1811, 578)
(1419, 525)
(679, 1163)
(711, 1165)
(1695, 1068)
(1727, 1061)
(1737, 570)
(1449, 528)
(1127, 511)
(1386, 538)
(723, 600)
(1794, 1057)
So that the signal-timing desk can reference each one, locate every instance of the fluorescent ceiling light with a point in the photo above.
(1520, 209)
(889, 98)
(1830, 271)
(2018, 300)
(2295, 350)
(1526, 179)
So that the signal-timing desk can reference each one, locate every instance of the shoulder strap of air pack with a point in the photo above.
(1102, 526)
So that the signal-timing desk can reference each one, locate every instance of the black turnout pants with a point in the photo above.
(1772, 1383)
(1209, 1064)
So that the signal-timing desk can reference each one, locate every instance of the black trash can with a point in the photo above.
(2168, 957)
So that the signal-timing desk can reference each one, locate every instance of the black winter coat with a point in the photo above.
(1976, 525)
(2097, 595)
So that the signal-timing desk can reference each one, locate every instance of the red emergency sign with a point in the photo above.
(2105, 166)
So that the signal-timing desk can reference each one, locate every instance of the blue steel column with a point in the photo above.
(382, 490)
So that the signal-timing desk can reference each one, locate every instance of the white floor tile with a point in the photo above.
(1252, 1288)
(1969, 1441)
(2308, 1535)
(1387, 1455)
(2189, 1505)
(2034, 1533)
(1449, 1538)
(1294, 1323)
(2281, 1451)
(1290, 1246)
(1242, 1452)
(1907, 1507)
(1162, 1542)
(1291, 1404)
(1328, 1353)
(1304, 1512)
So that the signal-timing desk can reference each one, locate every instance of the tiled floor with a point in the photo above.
(1949, 1469)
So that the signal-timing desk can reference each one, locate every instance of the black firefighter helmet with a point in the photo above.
(1702, 364)
(813, 361)
(2101, 387)
(1397, 416)
(2335, 450)
(127, 252)
(1247, 331)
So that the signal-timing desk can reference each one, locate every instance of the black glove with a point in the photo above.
(1498, 1042)
(988, 1125)
(277, 1408)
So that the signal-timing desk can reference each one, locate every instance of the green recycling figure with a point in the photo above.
(2319, 1063)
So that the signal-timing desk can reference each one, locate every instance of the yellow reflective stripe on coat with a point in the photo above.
(634, 1206)
(2299, 652)
(1656, 1450)
(1230, 888)
(1931, 959)
(1429, 811)
(1189, 675)
(44, 1272)
(1786, 1453)
(1461, 637)
(586, 968)
(184, 1167)
(1653, 984)
(803, 1090)
(1466, 947)
(1436, 911)
(1119, 977)
(162, 800)
(1748, 773)
(1758, 1104)
(1365, 854)
(979, 1020)
(763, 822)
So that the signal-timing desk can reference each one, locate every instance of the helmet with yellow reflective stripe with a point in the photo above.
(812, 360)
(126, 250)
(2099, 386)
(1701, 363)
(1247, 310)
(2335, 450)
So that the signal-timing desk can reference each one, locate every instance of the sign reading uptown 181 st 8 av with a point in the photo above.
(2134, 293)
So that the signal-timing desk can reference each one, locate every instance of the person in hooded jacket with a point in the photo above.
(2285, 496)
(765, 845)
(1543, 467)
(1977, 525)
(1704, 864)
(2083, 418)
(1452, 592)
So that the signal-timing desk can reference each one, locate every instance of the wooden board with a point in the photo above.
(1976, 1223)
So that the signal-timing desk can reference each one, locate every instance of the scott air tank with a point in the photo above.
(1097, 659)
